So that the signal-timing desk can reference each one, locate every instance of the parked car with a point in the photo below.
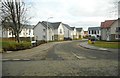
(67, 38)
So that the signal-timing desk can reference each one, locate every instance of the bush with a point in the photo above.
(22, 46)
(40, 42)
(13, 46)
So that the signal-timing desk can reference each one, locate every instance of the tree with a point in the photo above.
(14, 16)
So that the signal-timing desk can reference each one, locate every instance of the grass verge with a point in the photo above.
(104, 44)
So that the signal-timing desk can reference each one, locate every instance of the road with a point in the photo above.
(62, 59)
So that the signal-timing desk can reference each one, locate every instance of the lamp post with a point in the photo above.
(47, 27)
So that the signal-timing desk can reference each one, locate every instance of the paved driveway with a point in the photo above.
(62, 59)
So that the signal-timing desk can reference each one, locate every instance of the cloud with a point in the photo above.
(73, 12)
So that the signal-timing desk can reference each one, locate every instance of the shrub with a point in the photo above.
(13, 46)
(41, 42)
(23, 45)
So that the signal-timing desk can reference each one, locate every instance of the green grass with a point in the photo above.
(104, 44)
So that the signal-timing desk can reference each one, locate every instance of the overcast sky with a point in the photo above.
(76, 13)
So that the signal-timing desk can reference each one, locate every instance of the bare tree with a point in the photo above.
(14, 16)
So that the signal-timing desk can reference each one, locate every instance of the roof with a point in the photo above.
(79, 29)
(28, 26)
(85, 32)
(10, 24)
(107, 23)
(45, 24)
(94, 28)
(67, 26)
(72, 28)
(56, 25)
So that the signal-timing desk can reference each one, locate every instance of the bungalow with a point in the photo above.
(110, 30)
(81, 32)
(67, 31)
(94, 31)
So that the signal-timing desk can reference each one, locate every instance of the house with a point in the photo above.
(94, 31)
(27, 31)
(85, 34)
(80, 32)
(75, 33)
(58, 30)
(55, 31)
(68, 32)
(42, 33)
(39, 31)
(110, 30)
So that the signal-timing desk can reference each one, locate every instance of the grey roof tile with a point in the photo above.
(72, 28)
(94, 28)
(66, 25)
(79, 29)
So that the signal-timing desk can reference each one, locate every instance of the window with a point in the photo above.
(43, 36)
(117, 29)
(23, 33)
(10, 32)
(43, 29)
(92, 32)
(89, 31)
(29, 31)
(98, 31)
(117, 36)
(60, 31)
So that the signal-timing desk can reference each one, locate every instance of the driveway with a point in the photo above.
(61, 59)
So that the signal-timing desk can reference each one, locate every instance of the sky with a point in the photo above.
(75, 13)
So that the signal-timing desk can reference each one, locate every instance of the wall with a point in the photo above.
(67, 32)
(39, 33)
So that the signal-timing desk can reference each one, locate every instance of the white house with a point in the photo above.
(55, 31)
(58, 30)
(75, 33)
(41, 31)
(27, 31)
(94, 31)
(81, 32)
(68, 32)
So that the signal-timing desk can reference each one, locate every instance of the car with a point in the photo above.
(67, 38)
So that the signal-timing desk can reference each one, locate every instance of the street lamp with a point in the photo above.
(47, 27)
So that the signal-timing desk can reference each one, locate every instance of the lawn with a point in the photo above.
(104, 44)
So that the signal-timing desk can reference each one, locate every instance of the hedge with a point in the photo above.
(40, 42)
(14, 46)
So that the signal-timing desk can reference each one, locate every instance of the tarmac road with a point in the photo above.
(63, 59)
